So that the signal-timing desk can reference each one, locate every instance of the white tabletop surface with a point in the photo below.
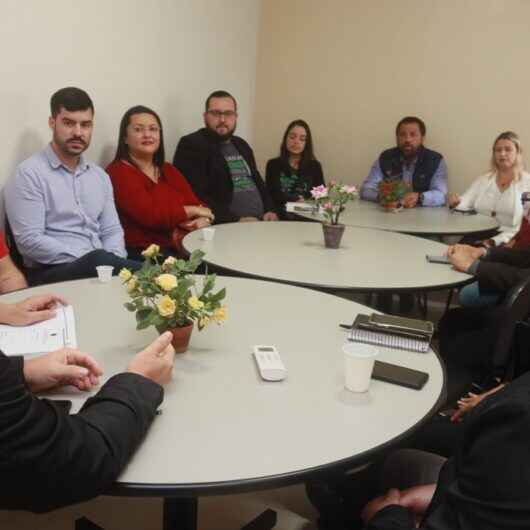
(436, 221)
(222, 426)
(294, 252)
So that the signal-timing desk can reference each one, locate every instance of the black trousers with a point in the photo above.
(83, 267)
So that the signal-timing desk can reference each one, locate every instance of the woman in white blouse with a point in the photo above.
(498, 193)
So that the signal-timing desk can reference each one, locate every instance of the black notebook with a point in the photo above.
(363, 331)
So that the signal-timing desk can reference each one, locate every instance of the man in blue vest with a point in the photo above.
(422, 169)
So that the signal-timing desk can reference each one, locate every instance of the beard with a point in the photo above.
(411, 152)
(67, 147)
(221, 137)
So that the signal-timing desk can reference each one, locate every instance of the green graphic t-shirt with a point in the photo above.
(292, 185)
(246, 201)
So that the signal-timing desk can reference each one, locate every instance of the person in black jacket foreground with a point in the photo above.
(50, 459)
(221, 168)
(292, 175)
(484, 485)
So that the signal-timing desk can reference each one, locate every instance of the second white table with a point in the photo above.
(426, 221)
(291, 252)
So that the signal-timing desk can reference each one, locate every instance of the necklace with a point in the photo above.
(502, 187)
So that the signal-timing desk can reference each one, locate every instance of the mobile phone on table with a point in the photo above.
(431, 258)
(399, 375)
(390, 322)
(471, 211)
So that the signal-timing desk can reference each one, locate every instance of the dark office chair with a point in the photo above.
(517, 307)
(501, 325)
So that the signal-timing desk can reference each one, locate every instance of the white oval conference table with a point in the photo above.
(425, 221)
(223, 429)
(294, 252)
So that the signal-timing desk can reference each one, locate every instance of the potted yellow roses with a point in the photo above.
(168, 296)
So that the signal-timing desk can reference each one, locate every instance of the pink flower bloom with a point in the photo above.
(328, 206)
(319, 192)
(349, 189)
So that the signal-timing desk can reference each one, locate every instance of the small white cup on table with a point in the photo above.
(208, 233)
(359, 361)
(104, 273)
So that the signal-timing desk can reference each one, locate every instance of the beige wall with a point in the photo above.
(353, 68)
(168, 54)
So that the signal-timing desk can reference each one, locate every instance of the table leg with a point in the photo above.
(180, 513)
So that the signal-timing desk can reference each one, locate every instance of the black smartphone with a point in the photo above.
(64, 404)
(465, 212)
(399, 375)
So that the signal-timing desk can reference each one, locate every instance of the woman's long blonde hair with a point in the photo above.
(519, 162)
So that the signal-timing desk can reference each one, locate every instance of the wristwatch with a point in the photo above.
(420, 199)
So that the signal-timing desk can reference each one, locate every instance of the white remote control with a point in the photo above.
(270, 365)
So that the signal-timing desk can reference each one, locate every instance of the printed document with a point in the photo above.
(43, 337)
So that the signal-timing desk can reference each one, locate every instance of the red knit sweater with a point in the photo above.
(522, 238)
(150, 212)
(4, 251)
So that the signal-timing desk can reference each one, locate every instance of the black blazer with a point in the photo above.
(199, 158)
(49, 459)
(310, 173)
(503, 268)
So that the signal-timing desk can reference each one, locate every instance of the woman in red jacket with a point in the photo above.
(154, 201)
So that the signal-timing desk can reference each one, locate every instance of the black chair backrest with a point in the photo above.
(514, 308)
(520, 351)
(16, 256)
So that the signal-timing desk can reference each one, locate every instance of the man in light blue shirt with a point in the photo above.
(423, 170)
(61, 206)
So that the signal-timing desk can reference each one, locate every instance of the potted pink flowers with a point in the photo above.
(332, 199)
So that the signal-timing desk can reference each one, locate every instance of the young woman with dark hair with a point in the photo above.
(291, 176)
(154, 201)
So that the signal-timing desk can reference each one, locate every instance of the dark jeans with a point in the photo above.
(83, 267)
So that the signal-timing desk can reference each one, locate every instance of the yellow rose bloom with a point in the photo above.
(219, 315)
(195, 303)
(167, 282)
(132, 284)
(169, 262)
(151, 251)
(166, 306)
(125, 275)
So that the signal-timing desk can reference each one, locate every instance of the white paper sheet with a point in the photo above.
(43, 337)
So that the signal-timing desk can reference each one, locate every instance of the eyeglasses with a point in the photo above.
(219, 113)
(140, 129)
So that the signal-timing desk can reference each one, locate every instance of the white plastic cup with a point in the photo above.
(208, 233)
(358, 365)
(105, 273)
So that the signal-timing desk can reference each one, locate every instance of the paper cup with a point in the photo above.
(104, 273)
(358, 365)
(208, 233)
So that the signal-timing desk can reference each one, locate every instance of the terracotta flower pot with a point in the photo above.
(181, 338)
(332, 234)
(389, 206)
